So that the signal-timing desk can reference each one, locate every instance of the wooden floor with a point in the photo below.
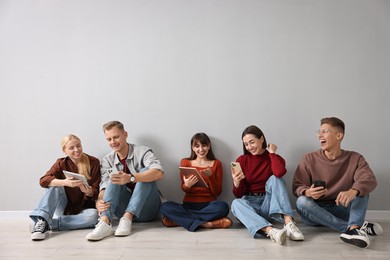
(153, 241)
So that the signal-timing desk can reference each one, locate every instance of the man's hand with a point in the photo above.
(102, 206)
(345, 197)
(120, 178)
(315, 192)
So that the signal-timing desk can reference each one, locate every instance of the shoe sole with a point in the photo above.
(39, 237)
(122, 235)
(354, 241)
(97, 239)
(296, 239)
(93, 239)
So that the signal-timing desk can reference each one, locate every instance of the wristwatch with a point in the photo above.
(132, 178)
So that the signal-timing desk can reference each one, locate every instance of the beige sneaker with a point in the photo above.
(293, 233)
(124, 227)
(101, 231)
(277, 235)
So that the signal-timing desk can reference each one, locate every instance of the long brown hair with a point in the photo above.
(205, 140)
(254, 130)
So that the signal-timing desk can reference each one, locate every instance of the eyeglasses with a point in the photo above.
(324, 131)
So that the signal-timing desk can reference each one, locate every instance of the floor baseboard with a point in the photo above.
(378, 214)
(14, 214)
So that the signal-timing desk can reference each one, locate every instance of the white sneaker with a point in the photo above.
(293, 233)
(124, 227)
(277, 235)
(101, 231)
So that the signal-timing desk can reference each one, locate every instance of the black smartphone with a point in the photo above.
(319, 183)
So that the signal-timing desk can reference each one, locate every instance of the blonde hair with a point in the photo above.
(83, 165)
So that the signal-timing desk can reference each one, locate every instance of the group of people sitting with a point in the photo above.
(332, 186)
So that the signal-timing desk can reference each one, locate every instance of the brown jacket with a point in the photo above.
(77, 201)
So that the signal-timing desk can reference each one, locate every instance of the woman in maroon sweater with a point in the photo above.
(72, 202)
(260, 190)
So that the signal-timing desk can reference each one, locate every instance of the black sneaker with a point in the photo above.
(356, 237)
(40, 230)
(372, 229)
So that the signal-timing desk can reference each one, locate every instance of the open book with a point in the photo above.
(189, 171)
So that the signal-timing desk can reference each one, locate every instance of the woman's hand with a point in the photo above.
(237, 177)
(272, 148)
(71, 182)
(190, 181)
(87, 190)
(206, 172)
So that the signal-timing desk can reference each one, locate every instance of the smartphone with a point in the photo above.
(112, 171)
(319, 183)
(236, 167)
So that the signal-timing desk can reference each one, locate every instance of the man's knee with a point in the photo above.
(304, 202)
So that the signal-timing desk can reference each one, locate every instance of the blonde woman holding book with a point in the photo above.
(67, 203)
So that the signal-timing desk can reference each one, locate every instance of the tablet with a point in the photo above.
(76, 176)
(189, 171)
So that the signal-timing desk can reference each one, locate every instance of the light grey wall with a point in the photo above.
(169, 69)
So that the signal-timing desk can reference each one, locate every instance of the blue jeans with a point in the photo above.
(192, 215)
(51, 207)
(336, 217)
(143, 202)
(257, 212)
